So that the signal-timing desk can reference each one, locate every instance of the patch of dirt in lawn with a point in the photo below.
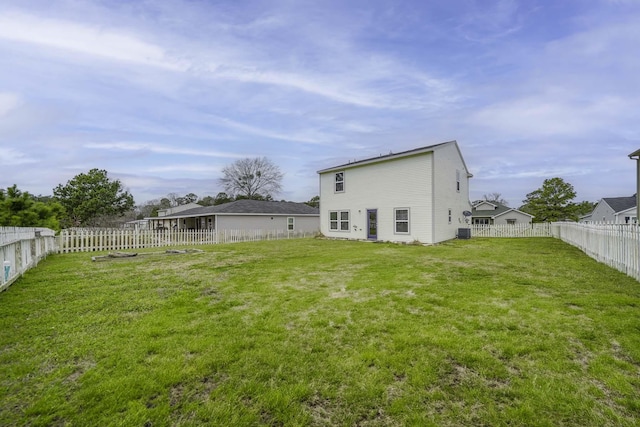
(82, 366)
(198, 392)
(321, 410)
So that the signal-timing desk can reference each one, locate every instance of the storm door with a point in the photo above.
(372, 224)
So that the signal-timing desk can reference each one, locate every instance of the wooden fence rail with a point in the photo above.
(21, 249)
(91, 240)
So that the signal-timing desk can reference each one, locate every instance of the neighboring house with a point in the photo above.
(243, 215)
(615, 210)
(490, 213)
(417, 195)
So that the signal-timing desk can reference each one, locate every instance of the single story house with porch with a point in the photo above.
(490, 213)
(243, 215)
(419, 195)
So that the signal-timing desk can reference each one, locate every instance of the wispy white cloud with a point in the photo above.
(549, 114)
(9, 102)
(13, 157)
(111, 44)
(488, 22)
(158, 149)
(310, 136)
(185, 168)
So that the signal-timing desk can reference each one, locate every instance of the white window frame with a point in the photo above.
(341, 224)
(397, 221)
(511, 221)
(336, 182)
(291, 223)
(458, 180)
(450, 215)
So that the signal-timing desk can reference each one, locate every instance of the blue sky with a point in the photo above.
(164, 94)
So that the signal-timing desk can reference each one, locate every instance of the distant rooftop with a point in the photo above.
(247, 206)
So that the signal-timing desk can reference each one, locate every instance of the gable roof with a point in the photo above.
(248, 207)
(477, 203)
(499, 210)
(619, 204)
(392, 156)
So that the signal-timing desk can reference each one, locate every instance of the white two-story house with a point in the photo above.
(420, 195)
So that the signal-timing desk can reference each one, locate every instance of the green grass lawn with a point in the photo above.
(318, 332)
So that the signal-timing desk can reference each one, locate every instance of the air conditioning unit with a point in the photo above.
(464, 233)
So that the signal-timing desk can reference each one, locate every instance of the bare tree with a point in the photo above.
(495, 198)
(252, 178)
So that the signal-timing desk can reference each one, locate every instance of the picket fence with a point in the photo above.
(616, 245)
(92, 240)
(512, 230)
(21, 249)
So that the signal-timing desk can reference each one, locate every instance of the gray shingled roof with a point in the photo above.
(386, 156)
(500, 209)
(619, 204)
(249, 207)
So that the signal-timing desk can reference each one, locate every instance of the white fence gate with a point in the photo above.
(21, 249)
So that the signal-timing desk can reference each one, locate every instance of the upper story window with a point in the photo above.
(339, 184)
(458, 180)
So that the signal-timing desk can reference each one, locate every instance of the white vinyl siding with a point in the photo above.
(383, 186)
(266, 222)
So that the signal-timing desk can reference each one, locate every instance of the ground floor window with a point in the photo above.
(511, 221)
(480, 221)
(291, 223)
(401, 218)
(339, 220)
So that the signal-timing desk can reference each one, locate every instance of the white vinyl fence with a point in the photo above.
(90, 240)
(616, 245)
(22, 248)
(512, 230)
